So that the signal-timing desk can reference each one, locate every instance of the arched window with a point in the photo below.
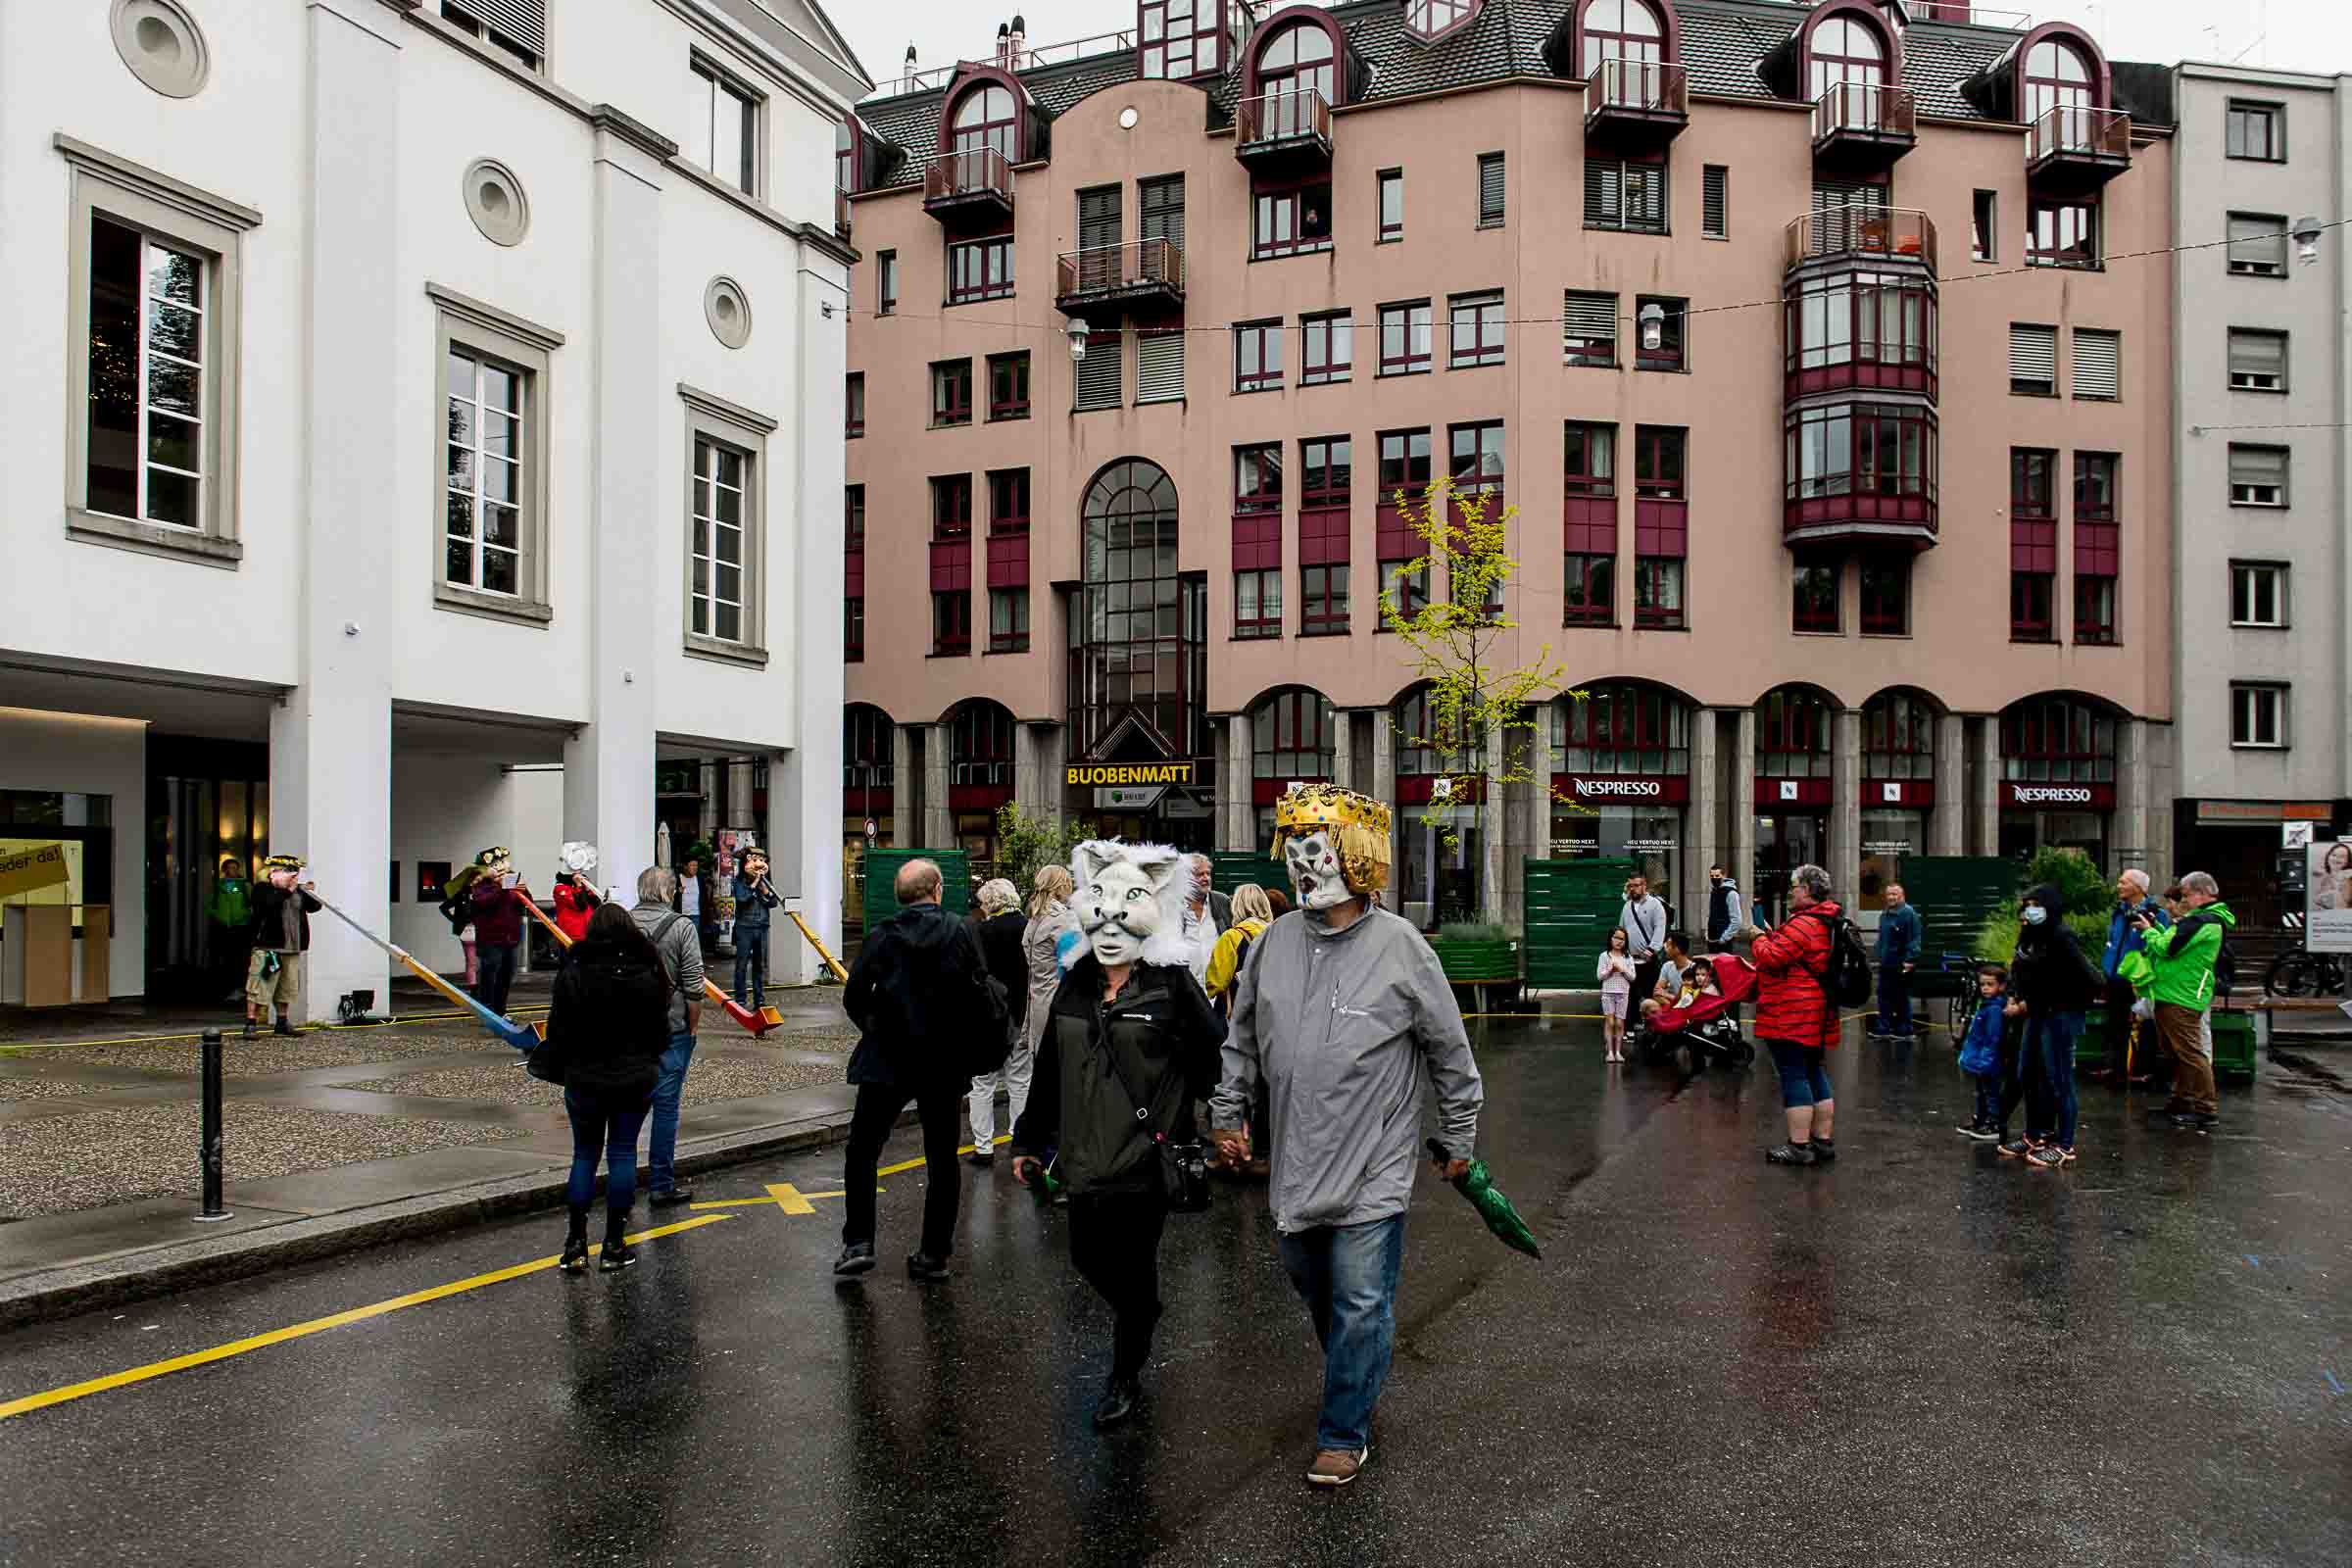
(1794, 729)
(1427, 18)
(1426, 741)
(1140, 643)
(2062, 740)
(1898, 737)
(845, 158)
(986, 117)
(1846, 49)
(1621, 30)
(1291, 736)
(2056, 77)
(1623, 727)
(980, 749)
(867, 738)
(1298, 59)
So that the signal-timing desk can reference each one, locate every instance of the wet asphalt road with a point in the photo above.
(1922, 1354)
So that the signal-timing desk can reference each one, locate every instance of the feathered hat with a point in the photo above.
(1163, 866)
(1357, 824)
(578, 857)
(282, 862)
(493, 856)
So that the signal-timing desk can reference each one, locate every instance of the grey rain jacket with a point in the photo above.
(1341, 1026)
(681, 957)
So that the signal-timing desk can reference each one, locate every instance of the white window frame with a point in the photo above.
(2247, 571)
(713, 422)
(723, 83)
(193, 222)
(2247, 703)
(484, 331)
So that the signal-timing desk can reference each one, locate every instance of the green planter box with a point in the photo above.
(2233, 1037)
(1477, 964)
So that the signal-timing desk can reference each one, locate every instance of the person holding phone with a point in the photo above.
(496, 898)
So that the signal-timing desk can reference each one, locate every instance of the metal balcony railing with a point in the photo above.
(1864, 109)
(2075, 132)
(976, 171)
(1652, 88)
(1863, 229)
(1290, 115)
(1149, 264)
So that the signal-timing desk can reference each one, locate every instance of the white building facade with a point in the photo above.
(424, 424)
(2263, 565)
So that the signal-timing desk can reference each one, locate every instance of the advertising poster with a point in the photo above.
(2328, 898)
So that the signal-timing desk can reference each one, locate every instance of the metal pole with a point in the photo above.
(208, 1157)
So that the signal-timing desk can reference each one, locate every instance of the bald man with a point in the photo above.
(911, 994)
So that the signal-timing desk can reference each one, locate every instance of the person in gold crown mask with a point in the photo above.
(1341, 1013)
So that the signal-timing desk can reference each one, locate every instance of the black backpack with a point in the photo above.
(1846, 978)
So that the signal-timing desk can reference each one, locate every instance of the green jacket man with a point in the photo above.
(2176, 966)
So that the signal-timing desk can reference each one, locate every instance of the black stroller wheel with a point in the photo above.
(1746, 1054)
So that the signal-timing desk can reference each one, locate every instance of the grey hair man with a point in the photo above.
(1207, 915)
(2122, 1001)
(674, 936)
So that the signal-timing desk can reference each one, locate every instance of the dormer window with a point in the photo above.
(1430, 20)
(1298, 59)
(1181, 38)
(2057, 76)
(986, 117)
(1846, 50)
(1621, 30)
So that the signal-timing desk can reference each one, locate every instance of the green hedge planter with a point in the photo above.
(2233, 1051)
(1477, 964)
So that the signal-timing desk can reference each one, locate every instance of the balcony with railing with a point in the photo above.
(1636, 105)
(1288, 128)
(841, 213)
(2076, 148)
(1106, 280)
(1865, 230)
(1862, 127)
(968, 187)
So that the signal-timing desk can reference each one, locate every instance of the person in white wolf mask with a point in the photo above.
(1129, 1044)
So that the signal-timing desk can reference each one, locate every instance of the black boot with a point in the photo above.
(617, 1253)
(575, 1245)
(1118, 1401)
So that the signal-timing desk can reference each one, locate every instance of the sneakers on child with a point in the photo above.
(2045, 1158)
(2018, 1148)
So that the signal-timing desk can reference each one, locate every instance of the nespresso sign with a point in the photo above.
(2058, 797)
(1098, 775)
(1610, 789)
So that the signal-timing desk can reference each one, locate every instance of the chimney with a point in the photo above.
(1020, 41)
(908, 78)
(1004, 47)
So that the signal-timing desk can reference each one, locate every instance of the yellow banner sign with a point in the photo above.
(22, 871)
(1101, 773)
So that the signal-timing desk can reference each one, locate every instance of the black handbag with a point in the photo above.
(546, 1060)
(1183, 1168)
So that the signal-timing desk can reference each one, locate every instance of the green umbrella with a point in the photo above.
(1492, 1205)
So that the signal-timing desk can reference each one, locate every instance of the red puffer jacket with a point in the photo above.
(1792, 1005)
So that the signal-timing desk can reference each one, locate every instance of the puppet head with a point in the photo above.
(496, 860)
(284, 870)
(580, 858)
(1130, 900)
(754, 862)
(1334, 842)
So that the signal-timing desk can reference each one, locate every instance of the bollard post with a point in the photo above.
(208, 1155)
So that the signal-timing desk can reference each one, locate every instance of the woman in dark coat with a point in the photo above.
(2051, 984)
(608, 1025)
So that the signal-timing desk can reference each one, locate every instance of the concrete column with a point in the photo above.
(902, 786)
(1702, 819)
(2128, 836)
(1743, 805)
(1383, 790)
(1342, 749)
(330, 741)
(2162, 776)
(938, 823)
(786, 946)
(1495, 841)
(1984, 797)
(1241, 825)
(805, 788)
(1946, 821)
(1052, 754)
(608, 762)
(1027, 785)
(1845, 804)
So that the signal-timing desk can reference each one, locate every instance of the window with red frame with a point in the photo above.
(952, 507)
(1667, 355)
(1291, 736)
(2033, 544)
(1476, 467)
(1815, 587)
(852, 519)
(1404, 467)
(1477, 329)
(853, 573)
(952, 620)
(1181, 38)
(854, 404)
(1405, 338)
(1391, 205)
(951, 392)
(1898, 737)
(2058, 740)
(1257, 541)
(980, 268)
(1326, 349)
(1258, 603)
(1008, 620)
(1257, 480)
(1257, 355)
(980, 745)
(1793, 730)
(1008, 501)
(1290, 220)
(1661, 526)
(2097, 547)
(853, 629)
(2062, 232)
(1886, 596)
(1624, 727)
(1589, 513)
(1326, 475)
(1008, 385)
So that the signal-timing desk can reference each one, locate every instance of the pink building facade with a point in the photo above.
(1830, 410)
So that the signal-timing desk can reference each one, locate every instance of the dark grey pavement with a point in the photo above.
(1922, 1355)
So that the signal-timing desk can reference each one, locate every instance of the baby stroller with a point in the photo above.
(1703, 1032)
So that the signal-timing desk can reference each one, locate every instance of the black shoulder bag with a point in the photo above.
(1183, 1168)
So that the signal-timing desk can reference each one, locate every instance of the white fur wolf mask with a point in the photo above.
(1130, 900)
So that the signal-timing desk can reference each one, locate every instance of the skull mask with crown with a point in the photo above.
(1333, 842)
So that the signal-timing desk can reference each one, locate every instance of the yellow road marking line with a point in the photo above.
(788, 1198)
(358, 1314)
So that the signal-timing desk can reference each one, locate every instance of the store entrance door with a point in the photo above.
(1785, 841)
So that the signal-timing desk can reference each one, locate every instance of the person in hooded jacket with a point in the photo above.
(2051, 985)
(998, 926)
(610, 1022)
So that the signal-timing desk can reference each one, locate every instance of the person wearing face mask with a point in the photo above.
(2050, 986)
(1724, 915)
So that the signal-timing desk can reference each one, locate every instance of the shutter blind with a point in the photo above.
(1715, 201)
(1603, 188)
(1589, 327)
(2033, 355)
(1098, 217)
(1490, 188)
(1162, 209)
(524, 21)
(1098, 374)
(2098, 363)
(1159, 366)
(2258, 359)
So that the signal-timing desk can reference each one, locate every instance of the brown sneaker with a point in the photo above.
(1336, 1467)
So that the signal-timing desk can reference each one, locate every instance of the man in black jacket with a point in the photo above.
(282, 906)
(918, 993)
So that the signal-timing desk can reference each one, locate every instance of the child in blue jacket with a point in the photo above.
(1985, 1051)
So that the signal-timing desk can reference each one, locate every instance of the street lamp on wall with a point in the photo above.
(1654, 326)
(1077, 335)
(2307, 239)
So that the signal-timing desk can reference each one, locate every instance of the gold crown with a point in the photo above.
(282, 862)
(493, 854)
(1357, 822)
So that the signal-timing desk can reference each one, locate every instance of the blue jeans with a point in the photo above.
(661, 1155)
(751, 964)
(1989, 1098)
(2050, 1045)
(1805, 1079)
(1346, 1275)
(495, 966)
(603, 1127)
(1894, 1000)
